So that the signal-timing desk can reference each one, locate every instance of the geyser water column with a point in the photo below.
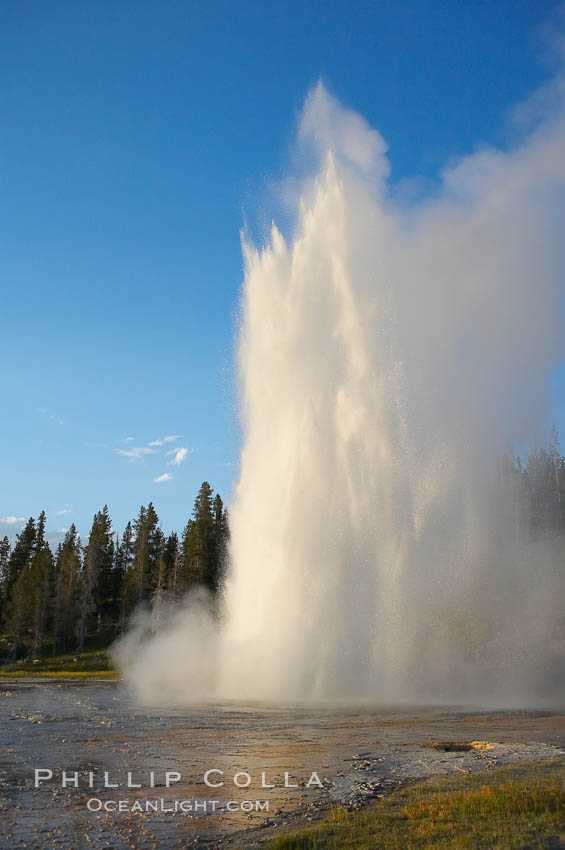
(323, 421)
(389, 355)
(388, 358)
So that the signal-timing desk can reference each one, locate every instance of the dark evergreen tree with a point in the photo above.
(221, 542)
(160, 594)
(41, 592)
(30, 594)
(5, 549)
(19, 616)
(140, 571)
(199, 542)
(40, 532)
(21, 556)
(96, 581)
(67, 589)
(124, 563)
(171, 558)
(139, 581)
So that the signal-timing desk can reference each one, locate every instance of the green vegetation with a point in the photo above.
(515, 807)
(92, 663)
(82, 594)
(6, 673)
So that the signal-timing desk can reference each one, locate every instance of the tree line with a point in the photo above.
(535, 493)
(51, 601)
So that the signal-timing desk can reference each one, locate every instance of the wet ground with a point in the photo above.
(97, 734)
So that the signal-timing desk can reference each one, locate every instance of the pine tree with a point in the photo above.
(221, 543)
(19, 612)
(171, 558)
(21, 556)
(40, 532)
(30, 593)
(140, 571)
(139, 582)
(117, 578)
(160, 594)
(41, 577)
(155, 542)
(18, 589)
(124, 563)
(68, 573)
(96, 587)
(5, 549)
(558, 482)
(541, 491)
(223, 547)
(199, 542)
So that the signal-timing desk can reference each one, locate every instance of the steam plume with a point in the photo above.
(388, 358)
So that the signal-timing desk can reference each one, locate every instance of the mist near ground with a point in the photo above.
(390, 354)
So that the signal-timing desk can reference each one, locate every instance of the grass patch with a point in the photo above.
(61, 674)
(92, 662)
(508, 809)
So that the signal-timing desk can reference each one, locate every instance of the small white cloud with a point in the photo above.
(170, 438)
(12, 520)
(164, 477)
(63, 511)
(63, 530)
(180, 455)
(135, 452)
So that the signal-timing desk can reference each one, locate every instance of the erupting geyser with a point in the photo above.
(389, 357)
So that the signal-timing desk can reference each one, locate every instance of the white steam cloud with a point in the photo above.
(388, 358)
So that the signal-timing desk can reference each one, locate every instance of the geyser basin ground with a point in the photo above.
(358, 752)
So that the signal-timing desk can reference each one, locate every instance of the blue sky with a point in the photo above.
(137, 138)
